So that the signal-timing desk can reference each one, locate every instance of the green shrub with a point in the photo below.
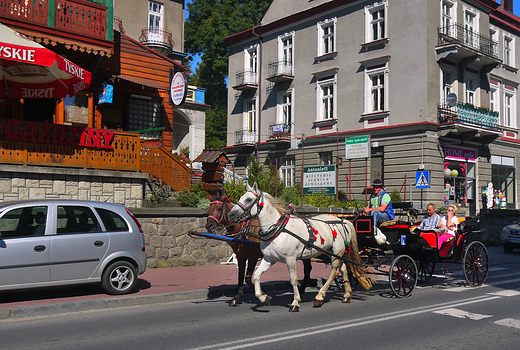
(396, 196)
(187, 199)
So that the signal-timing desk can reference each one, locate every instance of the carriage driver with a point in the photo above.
(380, 204)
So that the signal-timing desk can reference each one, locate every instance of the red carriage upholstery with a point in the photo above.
(431, 238)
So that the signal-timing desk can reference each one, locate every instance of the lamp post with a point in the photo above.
(303, 161)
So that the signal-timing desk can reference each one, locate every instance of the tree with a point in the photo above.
(208, 23)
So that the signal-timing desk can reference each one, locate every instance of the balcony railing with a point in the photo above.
(458, 34)
(469, 114)
(280, 67)
(279, 131)
(245, 136)
(74, 16)
(157, 38)
(246, 77)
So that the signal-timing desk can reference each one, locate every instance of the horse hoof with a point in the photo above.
(234, 302)
(267, 300)
(346, 300)
(294, 308)
(318, 303)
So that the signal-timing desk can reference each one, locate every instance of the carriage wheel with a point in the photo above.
(476, 263)
(425, 269)
(403, 276)
(340, 282)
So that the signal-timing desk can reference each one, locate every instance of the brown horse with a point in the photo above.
(218, 223)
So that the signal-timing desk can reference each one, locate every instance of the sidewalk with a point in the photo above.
(169, 284)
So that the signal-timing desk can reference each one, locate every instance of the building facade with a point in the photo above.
(432, 86)
(159, 25)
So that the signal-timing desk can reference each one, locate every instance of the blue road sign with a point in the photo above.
(422, 179)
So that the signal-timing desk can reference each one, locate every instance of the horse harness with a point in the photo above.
(244, 229)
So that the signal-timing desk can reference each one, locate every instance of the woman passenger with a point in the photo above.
(447, 226)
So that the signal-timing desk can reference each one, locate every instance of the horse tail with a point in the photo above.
(359, 271)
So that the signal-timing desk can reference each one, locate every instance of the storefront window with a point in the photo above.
(76, 109)
(459, 183)
(503, 179)
(144, 113)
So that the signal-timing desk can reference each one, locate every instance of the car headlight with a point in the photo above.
(506, 230)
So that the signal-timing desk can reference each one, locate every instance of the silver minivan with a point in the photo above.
(63, 242)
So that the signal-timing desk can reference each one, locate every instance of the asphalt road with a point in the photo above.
(442, 314)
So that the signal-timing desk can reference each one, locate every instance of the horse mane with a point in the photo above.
(278, 204)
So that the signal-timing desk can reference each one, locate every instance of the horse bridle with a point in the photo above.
(247, 209)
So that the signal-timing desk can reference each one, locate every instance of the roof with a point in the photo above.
(142, 81)
(212, 156)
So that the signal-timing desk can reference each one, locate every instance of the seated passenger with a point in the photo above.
(380, 204)
(447, 226)
(430, 221)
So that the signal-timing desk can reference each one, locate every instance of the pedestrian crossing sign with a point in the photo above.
(422, 179)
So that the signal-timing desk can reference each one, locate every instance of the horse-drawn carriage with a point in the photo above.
(406, 255)
(409, 255)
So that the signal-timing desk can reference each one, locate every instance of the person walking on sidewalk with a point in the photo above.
(380, 204)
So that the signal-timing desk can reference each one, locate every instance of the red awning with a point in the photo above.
(29, 70)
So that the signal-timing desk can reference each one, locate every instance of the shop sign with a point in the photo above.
(20, 130)
(357, 147)
(178, 88)
(319, 179)
(460, 154)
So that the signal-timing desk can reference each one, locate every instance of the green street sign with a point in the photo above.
(319, 179)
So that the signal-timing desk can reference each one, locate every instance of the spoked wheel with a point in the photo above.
(340, 282)
(403, 276)
(475, 263)
(425, 269)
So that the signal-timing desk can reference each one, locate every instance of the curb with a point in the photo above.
(108, 303)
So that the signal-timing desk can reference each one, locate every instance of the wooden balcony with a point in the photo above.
(28, 143)
(81, 17)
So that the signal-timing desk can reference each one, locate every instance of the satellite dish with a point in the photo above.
(451, 99)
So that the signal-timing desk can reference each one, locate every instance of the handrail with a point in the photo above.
(161, 164)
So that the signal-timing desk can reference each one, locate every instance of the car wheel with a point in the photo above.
(508, 248)
(120, 277)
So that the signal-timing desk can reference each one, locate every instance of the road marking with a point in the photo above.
(333, 327)
(462, 314)
(497, 283)
(509, 322)
(506, 293)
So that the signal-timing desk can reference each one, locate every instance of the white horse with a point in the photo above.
(287, 238)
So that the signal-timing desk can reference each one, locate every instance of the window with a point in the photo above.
(471, 89)
(447, 8)
(285, 53)
(155, 10)
(326, 99)
(285, 108)
(112, 221)
(448, 78)
(76, 219)
(24, 222)
(503, 178)
(508, 51)
(471, 28)
(376, 78)
(326, 37)
(249, 121)
(509, 107)
(376, 21)
(287, 170)
(251, 65)
(494, 99)
(143, 113)
(325, 158)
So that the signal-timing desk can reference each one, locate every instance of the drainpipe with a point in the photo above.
(259, 92)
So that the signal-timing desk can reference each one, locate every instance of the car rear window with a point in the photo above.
(113, 221)
(76, 219)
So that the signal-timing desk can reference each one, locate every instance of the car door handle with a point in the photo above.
(99, 243)
(40, 248)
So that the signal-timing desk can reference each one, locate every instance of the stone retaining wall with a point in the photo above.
(18, 182)
(168, 243)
